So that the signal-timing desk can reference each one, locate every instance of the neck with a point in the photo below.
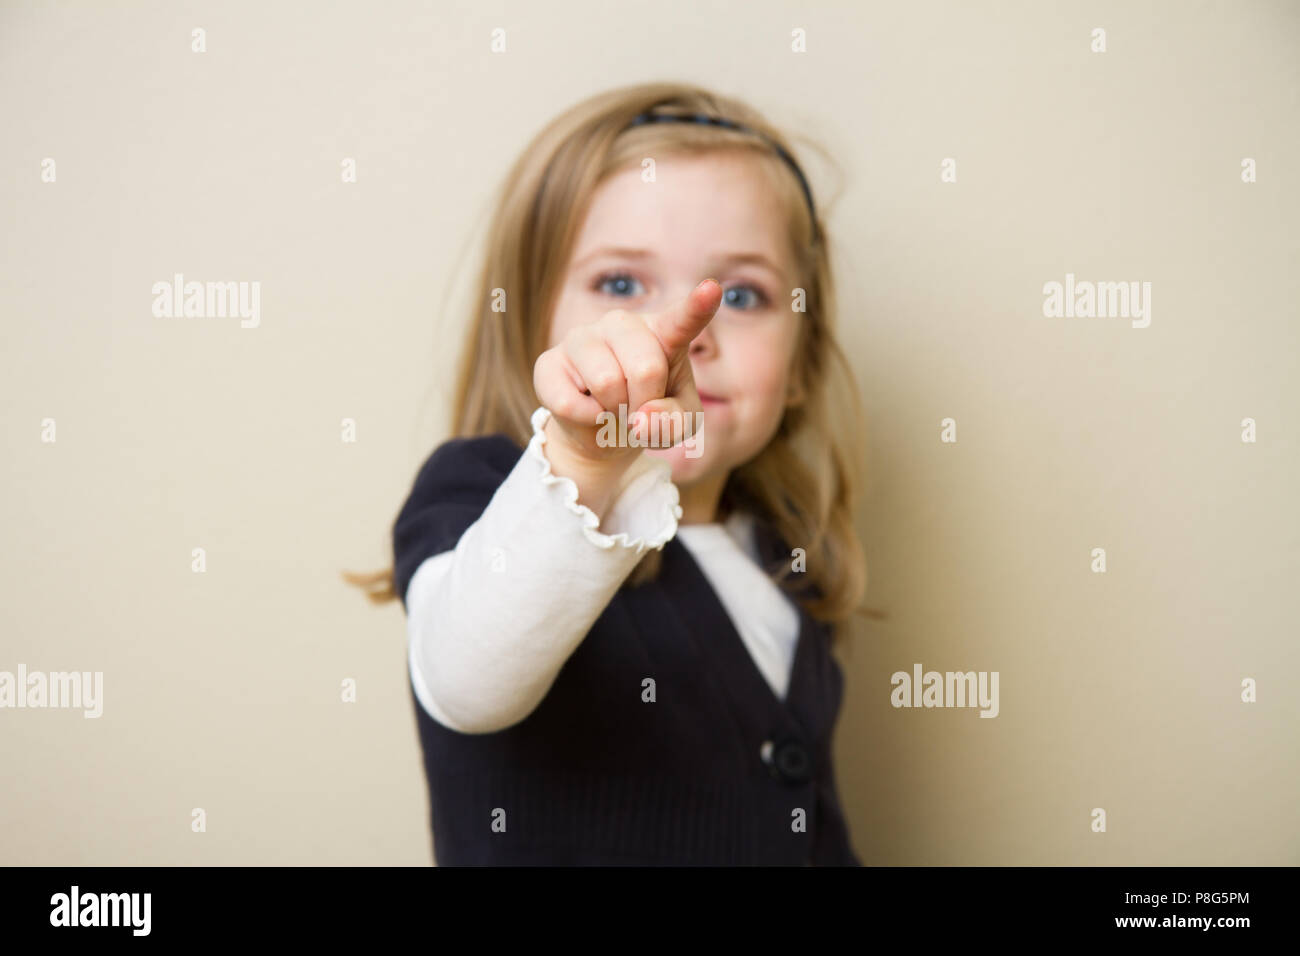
(699, 500)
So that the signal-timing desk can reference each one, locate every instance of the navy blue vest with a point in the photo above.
(716, 771)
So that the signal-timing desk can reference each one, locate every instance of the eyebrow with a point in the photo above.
(627, 252)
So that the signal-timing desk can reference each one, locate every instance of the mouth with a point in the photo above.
(709, 399)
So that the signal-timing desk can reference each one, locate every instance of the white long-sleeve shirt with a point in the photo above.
(491, 622)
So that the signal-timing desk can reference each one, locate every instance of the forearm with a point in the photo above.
(492, 621)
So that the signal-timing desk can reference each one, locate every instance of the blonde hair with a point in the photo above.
(804, 482)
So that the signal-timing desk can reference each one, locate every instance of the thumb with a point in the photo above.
(665, 422)
(678, 326)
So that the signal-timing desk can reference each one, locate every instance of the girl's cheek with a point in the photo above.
(768, 382)
(570, 312)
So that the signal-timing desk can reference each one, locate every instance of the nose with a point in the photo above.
(704, 345)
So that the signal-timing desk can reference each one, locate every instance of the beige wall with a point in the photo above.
(221, 690)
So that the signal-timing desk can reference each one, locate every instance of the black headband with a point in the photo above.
(702, 118)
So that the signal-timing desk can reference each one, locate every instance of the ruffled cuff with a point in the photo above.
(644, 512)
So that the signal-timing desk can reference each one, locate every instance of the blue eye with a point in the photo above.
(621, 282)
(756, 298)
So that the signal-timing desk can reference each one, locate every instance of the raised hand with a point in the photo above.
(635, 360)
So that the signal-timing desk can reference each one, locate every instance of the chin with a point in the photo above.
(686, 468)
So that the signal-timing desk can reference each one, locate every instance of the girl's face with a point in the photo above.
(645, 245)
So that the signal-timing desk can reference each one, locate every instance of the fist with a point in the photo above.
(635, 360)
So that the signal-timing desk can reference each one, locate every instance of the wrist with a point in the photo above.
(598, 478)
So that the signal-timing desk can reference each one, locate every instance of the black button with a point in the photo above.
(788, 759)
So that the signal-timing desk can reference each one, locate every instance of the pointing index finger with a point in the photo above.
(678, 326)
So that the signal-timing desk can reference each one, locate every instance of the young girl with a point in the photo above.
(620, 654)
